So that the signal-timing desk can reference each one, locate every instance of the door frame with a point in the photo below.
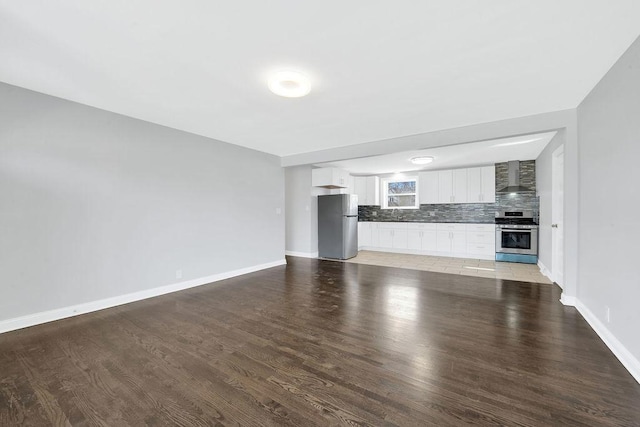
(557, 201)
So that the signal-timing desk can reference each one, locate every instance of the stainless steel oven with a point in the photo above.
(516, 237)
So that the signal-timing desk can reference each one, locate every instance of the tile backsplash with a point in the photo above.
(465, 212)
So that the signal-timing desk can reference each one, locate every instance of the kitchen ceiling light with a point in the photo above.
(290, 84)
(421, 160)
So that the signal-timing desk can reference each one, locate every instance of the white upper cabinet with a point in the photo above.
(368, 190)
(474, 185)
(452, 186)
(445, 186)
(360, 189)
(460, 186)
(489, 184)
(481, 185)
(428, 187)
(330, 178)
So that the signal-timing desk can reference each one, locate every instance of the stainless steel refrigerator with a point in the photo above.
(338, 226)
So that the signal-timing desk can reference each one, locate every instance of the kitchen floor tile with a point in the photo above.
(462, 266)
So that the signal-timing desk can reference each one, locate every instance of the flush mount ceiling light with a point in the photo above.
(421, 160)
(290, 84)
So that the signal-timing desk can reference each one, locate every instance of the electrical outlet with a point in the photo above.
(608, 313)
(278, 211)
(374, 213)
(432, 214)
(178, 274)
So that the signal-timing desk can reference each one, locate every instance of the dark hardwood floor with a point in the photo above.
(322, 343)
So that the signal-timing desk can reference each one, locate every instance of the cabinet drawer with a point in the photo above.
(451, 227)
(421, 226)
(481, 249)
(393, 225)
(481, 237)
(481, 227)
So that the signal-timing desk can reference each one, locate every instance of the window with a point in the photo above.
(400, 193)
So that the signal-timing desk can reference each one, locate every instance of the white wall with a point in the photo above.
(301, 212)
(96, 205)
(298, 209)
(543, 188)
(609, 141)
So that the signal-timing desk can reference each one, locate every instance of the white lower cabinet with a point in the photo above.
(364, 234)
(400, 239)
(421, 237)
(481, 239)
(385, 238)
(452, 238)
(440, 239)
(392, 235)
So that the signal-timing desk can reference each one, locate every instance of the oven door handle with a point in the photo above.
(522, 230)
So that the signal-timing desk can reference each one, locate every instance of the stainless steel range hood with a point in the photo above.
(513, 183)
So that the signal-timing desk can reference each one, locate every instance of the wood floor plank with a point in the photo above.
(319, 343)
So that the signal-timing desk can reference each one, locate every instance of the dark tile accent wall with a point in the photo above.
(465, 212)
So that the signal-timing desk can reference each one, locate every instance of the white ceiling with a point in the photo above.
(380, 69)
(526, 147)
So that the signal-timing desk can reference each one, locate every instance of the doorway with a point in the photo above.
(557, 216)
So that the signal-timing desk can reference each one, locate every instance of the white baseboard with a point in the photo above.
(75, 310)
(617, 348)
(545, 271)
(302, 254)
(567, 300)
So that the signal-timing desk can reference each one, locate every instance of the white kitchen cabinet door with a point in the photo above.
(360, 189)
(373, 190)
(459, 242)
(452, 186)
(414, 240)
(385, 238)
(481, 185)
(368, 190)
(351, 186)
(429, 240)
(428, 184)
(481, 250)
(488, 237)
(345, 178)
(364, 234)
(474, 185)
(374, 234)
(445, 186)
(400, 239)
(488, 184)
(460, 186)
(330, 178)
(443, 241)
